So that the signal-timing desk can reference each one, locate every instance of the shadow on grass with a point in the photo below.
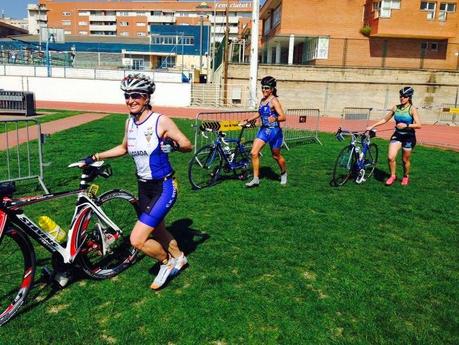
(380, 175)
(268, 173)
(187, 238)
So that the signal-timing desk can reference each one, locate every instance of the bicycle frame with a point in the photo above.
(84, 208)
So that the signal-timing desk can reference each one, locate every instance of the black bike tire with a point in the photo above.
(129, 255)
(344, 178)
(371, 169)
(28, 274)
(194, 164)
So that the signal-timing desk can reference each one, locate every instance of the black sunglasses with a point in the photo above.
(134, 95)
(266, 87)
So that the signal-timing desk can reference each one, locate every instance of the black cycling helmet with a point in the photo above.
(138, 83)
(269, 81)
(407, 91)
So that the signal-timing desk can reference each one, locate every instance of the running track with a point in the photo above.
(430, 135)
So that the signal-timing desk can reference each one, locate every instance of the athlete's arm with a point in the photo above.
(416, 119)
(168, 129)
(278, 107)
(383, 120)
(117, 151)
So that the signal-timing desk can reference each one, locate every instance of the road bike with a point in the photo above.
(97, 242)
(357, 160)
(223, 158)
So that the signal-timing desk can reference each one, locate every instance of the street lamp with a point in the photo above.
(51, 39)
(202, 6)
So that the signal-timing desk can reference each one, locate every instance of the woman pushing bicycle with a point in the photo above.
(148, 138)
(406, 122)
(271, 114)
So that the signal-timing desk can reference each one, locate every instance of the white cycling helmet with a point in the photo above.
(138, 83)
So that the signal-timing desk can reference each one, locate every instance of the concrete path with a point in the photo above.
(46, 128)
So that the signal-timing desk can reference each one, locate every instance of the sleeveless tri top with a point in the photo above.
(265, 112)
(403, 115)
(143, 145)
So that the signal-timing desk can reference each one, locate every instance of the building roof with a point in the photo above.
(8, 29)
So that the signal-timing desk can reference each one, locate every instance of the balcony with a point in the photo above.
(100, 18)
(221, 29)
(222, 20)
(422, 25)
(161, 19)
(102, 27)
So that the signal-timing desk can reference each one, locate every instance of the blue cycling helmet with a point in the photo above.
(407, 91)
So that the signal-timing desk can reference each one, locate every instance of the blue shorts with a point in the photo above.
(272, 136)
(156, 198)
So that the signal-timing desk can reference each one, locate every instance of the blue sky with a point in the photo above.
(15, 8)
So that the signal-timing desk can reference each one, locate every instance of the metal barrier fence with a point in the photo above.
(355, 119)
(222, 119)
(17, 102)
(448, 114)
(301, 125)
(21, 162)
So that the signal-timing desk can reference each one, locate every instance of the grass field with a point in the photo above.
(301, 264)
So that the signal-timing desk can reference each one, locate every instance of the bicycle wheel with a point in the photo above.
(344, 165)
(242, 160)
(205, 167)
(106, 252)
(17, 271)
(371, 158)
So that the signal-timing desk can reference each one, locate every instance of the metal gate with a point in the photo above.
(301, 125)
(17, 102)
(21, 151)
(355, 119)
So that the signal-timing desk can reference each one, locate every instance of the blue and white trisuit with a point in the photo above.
(270, 132)
(157, 187)
(407, 136)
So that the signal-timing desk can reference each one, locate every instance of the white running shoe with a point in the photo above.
(283, 178)
(163, 274)
(180, 263)
(254, 183)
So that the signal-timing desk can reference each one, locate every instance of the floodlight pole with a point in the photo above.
(254, 54)
(48, 57)
(226, 58)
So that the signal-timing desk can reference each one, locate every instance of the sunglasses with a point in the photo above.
(266, 87)
(404, 97)
(134, 95)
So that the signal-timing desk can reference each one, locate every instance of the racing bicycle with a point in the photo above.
(357, 160)
(222, 158)
(97, 243)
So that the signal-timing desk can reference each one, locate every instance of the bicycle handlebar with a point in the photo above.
(340, 132)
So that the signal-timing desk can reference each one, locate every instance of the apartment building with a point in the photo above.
(132, 18)
(372, 33)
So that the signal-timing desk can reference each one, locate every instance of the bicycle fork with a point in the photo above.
(360, 165)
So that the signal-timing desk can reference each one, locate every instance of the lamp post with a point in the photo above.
(51, 39)
(201, 7)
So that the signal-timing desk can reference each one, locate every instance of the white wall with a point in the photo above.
(93, 91)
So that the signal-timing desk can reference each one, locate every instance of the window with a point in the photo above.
(66, 22)
(267, 25)
(276, 16)
(124, 23)
(66, 32)
(83, 33)
(166, 62)
(140, 34)
(141, 24)
(434, 46)
(186, 40)
(444, 9)
(83, 13)
(82, 23)
(138, 64)
(124, 33)
(429, 7)
(122, 13)
(66, 14)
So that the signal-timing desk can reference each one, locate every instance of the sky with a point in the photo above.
(15, 8)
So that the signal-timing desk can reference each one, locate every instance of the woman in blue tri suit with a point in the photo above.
(148, 139)
(271, 114)
(404, 137)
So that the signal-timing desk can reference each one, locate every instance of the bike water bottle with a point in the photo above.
(54, 230)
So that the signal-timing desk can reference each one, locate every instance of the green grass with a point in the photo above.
(44, 115)
(303, 264)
